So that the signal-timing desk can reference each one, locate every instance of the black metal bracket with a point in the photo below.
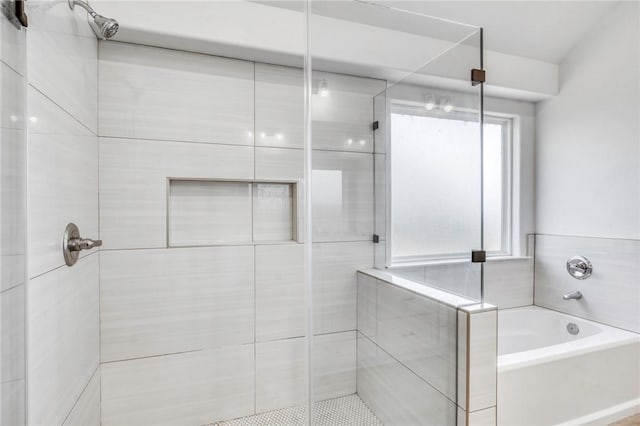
(478, 76)
(376, 238)
(375, 125)
(20, 13)
(478, 256)
(14, 11)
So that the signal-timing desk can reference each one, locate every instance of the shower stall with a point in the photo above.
(253, 214)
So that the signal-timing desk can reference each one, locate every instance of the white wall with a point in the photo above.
(588, 175)
(587, 148)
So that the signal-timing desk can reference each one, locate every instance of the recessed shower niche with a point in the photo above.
(210, 212)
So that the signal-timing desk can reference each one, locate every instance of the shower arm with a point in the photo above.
(84, 5)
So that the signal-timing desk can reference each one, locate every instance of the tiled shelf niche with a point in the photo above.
(203, 212)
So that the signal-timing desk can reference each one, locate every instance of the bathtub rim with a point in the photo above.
(610, 337)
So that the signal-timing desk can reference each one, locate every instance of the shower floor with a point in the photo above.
(344, 411)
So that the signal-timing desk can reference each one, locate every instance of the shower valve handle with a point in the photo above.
(72, 244)
(77, 244)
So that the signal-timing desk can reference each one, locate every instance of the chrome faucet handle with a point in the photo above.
(579, 267)
(72, 244)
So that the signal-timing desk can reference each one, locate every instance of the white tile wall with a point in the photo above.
(133, 184)
(54, 16)
(342, 121)
(63, 338)
(12, 102)
(12, 176)
(279, 164)
(163, 94)
(367, 306)
(280, 292)
(406, 347)
(342, 196)
(12, 46)
(12, 410)
(485, 417)
(63, 302)
(12, 200)
(64, 66)
(274, 212)
(335, 267)
(610, 295)
(477, 351)
(155, 302)
(334, 365)
(86, 412)
(395, 394)
(280, 374)
(12, 335)
(509, 283)
(63, 182)
(167, 114)
(193, 388)
(459, 278)
(279, 106)
(420, 333)
(206, 213)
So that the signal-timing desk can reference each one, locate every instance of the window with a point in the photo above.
(435, 187)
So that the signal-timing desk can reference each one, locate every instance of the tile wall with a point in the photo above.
(63, 307)
(611, 295)
(423, 359)
(12, 223)
(215, 330)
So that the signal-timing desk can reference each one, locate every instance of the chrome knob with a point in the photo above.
(579, 267)
(73, 244)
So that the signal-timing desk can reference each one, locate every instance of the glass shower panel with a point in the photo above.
(433, 191)
(396, 186)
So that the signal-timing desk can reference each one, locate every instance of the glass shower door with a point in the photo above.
(396, 179)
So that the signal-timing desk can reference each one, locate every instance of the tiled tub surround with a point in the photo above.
(221, 323)
(610, 296)
(508, 282)
(592, 377)
(424, 356)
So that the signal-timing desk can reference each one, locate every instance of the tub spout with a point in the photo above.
(576, 295)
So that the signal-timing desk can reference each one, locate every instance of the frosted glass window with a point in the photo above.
(435, 186)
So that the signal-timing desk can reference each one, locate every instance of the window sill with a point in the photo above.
(491, 259)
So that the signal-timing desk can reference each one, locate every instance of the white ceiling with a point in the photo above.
(542, 30)
(524, 40)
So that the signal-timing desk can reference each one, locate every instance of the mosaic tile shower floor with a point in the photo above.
(344, 411)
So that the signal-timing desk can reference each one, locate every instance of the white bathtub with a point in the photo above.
(547, 376)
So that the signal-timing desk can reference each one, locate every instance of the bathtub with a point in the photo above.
(548, 376)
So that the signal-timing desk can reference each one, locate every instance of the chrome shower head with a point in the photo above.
(103, 27)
